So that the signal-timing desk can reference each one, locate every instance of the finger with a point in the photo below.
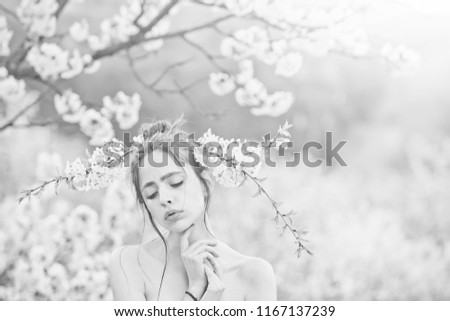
(202, 243)
(210, 275)
(205, 255)
(184, 239)
(207, 248)
(217, 268)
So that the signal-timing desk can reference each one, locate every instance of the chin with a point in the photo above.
(178, 226)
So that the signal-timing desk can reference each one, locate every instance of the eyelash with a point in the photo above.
(173, 185)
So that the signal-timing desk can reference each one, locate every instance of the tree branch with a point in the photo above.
(11, 121)
(140, 37)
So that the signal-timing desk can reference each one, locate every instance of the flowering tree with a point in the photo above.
(274, 33)
(38, 61)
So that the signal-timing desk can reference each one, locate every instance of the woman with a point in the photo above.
(189, 263)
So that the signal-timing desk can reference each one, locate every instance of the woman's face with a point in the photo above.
(173, 194)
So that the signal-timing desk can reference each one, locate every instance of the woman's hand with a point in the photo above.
(215, 285)
(193, 256)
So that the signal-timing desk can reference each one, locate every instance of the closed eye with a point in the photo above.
(177, 184)
(153, 195)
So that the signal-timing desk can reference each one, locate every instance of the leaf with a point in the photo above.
(258, 192)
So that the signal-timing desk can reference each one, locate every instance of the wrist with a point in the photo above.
(196, 290)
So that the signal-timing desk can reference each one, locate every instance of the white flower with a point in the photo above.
(400, 59)
(75, 168)
(289, 64)
(70, 106)
(353, 40)
(5, 37)
(254, 38)
(221, 83)
(47, 165)
(240, 7)
(97, 43)
(125, 108)
(227, 168)
(11, 89)
(38, 17)
(273, 52)
(275, 105)
(317, 43)
(246, 71)
(79, 31)
(97, 127)
(283, 131)
(127, 117)
(252, 94)
(49, 60)
(75, 66)
(234, 49)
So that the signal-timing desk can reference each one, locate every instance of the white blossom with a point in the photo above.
(97, 43)
(240, 7)
(90, 66)
(289, 64)
(234, 49)
(79, 31)
(221, 83)
(11, 89)
(49, 60)
(246, 71)
(400, 59)
(125, 108)
(252, 94)
(5, 37)
(96, 126)
(229, 166)
(70, 106)
(38, 17)
(75, 65)
(275, 105)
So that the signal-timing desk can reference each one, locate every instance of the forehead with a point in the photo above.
(159, 164)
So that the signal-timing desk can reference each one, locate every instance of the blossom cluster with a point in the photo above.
(97, 124)
(234, 160)
(98, 171)
(295, 32)
(230, 164)
(132, 16)
(400, 59)
(230, 170)
(11, 89)
(58, 252)
(51, 62)
(38, 17)
(5, 37)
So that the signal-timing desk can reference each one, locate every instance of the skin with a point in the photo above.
(197, 261)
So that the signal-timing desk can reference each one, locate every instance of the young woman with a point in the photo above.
(188, 263)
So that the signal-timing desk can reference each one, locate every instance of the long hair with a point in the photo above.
(157, 136)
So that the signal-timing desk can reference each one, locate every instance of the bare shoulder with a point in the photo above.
(126, 280)
(256, 275)
(254, 269)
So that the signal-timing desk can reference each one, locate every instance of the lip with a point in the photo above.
(171, 213)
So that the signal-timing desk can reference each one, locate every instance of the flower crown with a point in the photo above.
(108, 163)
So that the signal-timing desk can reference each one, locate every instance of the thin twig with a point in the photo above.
(9, 12)
(140, 37)
(212, 59)
(11, 121)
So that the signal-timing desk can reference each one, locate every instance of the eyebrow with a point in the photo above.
(164, 177)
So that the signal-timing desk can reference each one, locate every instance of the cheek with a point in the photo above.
(155, 210)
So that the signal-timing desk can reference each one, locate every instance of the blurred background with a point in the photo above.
(379, 228)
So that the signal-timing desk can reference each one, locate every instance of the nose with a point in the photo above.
(165, 197)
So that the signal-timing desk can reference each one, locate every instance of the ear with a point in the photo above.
(207, 176)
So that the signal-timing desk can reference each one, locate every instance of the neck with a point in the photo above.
(200, 232)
